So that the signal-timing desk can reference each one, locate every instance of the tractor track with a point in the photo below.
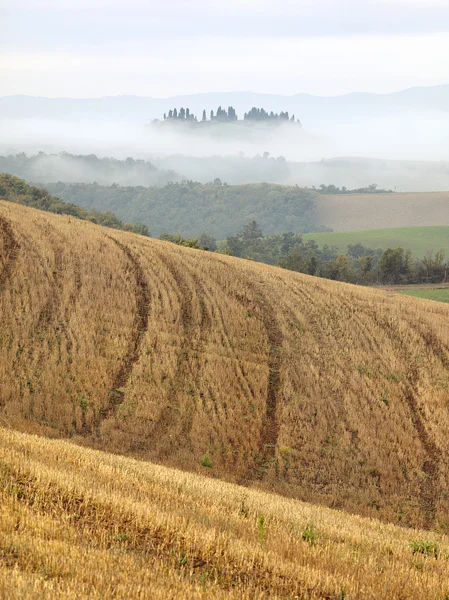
(139, 329)
(269, 432)
(270, 424)
(12, 248)
(190, 343)
(429, 488)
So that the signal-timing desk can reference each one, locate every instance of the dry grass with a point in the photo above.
(322, 391)
(79, 523)
(352, 212)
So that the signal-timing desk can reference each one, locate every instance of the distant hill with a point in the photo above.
(191, 208)
(326, 392)
(41, 167)
(310, 109)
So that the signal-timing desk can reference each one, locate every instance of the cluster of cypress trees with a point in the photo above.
(260, 114)
(222, 115)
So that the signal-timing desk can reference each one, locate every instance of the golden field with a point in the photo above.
(79, 523)
(324, 392)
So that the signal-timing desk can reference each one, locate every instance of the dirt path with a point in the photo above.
(139, 329)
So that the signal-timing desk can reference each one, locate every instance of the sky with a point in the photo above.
(94, 48)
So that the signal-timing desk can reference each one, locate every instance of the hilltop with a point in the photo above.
(323, 391)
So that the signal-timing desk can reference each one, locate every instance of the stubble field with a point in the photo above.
(325, 392)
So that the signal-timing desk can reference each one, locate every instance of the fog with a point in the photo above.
(409, 150)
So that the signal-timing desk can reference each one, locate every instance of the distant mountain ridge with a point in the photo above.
(307, 107)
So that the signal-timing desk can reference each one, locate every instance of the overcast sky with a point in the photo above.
(91, 48)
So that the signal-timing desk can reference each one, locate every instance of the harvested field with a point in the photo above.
(330, 393)
(78, 523)
(352, 212)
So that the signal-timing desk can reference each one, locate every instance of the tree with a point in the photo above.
(211, 115)
(207, 242)
(251, 231)
(182, 113)
(187, 113)
(204, 115)
(394, 264)
(358, 250)
(170, 114)
(165, 116)
(175, 113)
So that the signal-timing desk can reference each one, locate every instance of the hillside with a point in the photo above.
(16, 190)
(155, 533)
(191, 208)
(417, 239)
(355, 212)
(42, 167)
(327, 392)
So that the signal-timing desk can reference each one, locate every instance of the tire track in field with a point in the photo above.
(220, 328)
(139, 329)
(187, 372)
(429, 492)
(429, 489)
(11, 251)
(270, 425)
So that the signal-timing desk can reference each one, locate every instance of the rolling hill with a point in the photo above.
(417, 239)
(191, 208)
(78, 523)
(325, 392)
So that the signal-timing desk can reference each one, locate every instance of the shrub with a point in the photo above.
(262, 530)
(425, 547)
(310, 534)
(206, 461)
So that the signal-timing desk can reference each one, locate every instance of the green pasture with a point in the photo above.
(417, 239)
(441, 295)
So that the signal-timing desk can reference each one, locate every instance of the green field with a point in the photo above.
(441, 295)
(416, 239)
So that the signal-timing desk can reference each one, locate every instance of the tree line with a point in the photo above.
(260, 114)
(190, 207)
(16, 190)
(333, 189)
(359, 265)
(223, 115)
